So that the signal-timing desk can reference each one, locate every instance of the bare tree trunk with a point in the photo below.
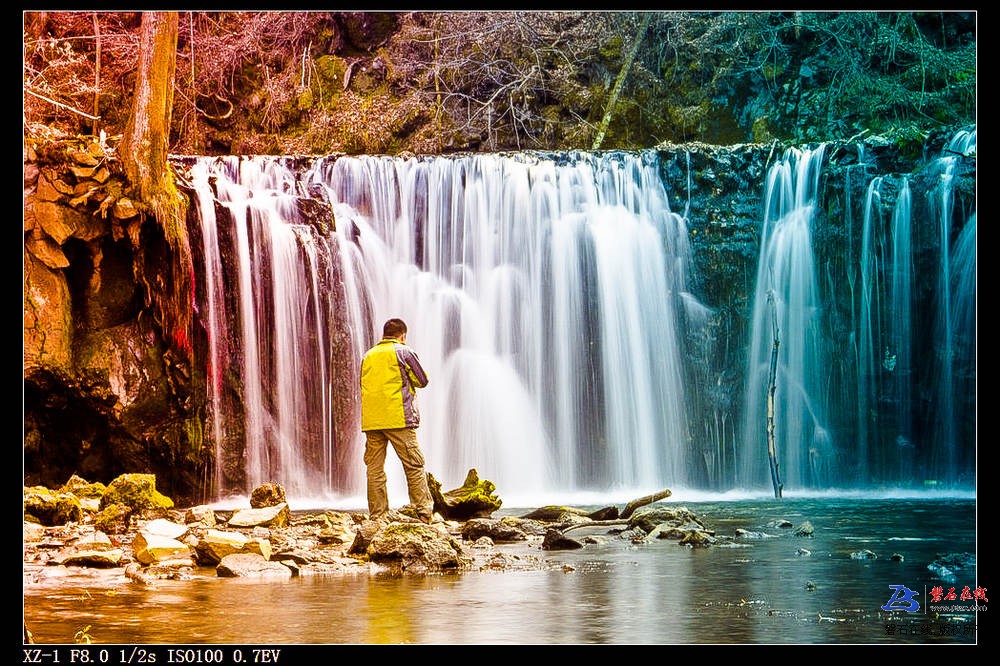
(143, 153)
(626, 66)
(97, 74)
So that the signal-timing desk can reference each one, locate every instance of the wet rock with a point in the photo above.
(165, 528)
(113, 519)
(556, 540)
(503, 529)
(101, 559)
(272, 516)
(947, 566)
(607, 513)
(216, 544)
(558, 514)
(864, 555)
(150, 548)
(363, 536)
(672, 516)
(251, 565)
(202, 515)
(33, 532)
(415, 546)
(267, 494)
(804, 530)
(698, 539)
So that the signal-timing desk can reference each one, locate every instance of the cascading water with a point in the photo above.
(955, 341)
(870, 335)
(547, 296)
(786, 305)
(541, 295)
(899, 354)
(267, 324)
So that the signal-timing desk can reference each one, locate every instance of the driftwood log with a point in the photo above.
(624, 515)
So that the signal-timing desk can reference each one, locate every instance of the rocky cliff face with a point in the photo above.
(103, 394)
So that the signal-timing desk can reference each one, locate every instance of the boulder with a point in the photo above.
(113, 519)
(672, 516)
(504, 529)
(270, 516)
(202, 515)
(267, 494)
(137, 492)
(164, 527)
(98, 559)
(416, 547)
(83, 488)
(217, 544)
(556, 540)
(153, 548)
(697, 539)
(51, 508)
(251, 565)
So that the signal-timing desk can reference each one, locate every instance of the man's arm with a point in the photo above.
(415, 371)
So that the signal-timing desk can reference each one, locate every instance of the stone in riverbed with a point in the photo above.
(251, 565)
(152, 548)
(272, 516)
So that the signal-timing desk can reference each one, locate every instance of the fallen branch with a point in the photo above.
(643, 501)
(592, 523)
(626, 67)
(60, 104)
(624, 516)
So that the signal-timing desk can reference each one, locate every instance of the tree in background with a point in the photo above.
(143, 154)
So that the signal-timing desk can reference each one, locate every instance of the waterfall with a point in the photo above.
(547, 296)
(268, 324)
(870, 331)
(946, 412)
(899, 354)
(786, 304)
(543, 295)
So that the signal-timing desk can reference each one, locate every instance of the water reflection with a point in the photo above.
(764, 590)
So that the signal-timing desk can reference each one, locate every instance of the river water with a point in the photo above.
(763, 590)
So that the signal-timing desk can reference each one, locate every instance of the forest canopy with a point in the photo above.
(434, 82)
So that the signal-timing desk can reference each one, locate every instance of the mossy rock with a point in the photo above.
(557, 514)
(474, 499)
(113, 519)
(137, 492)
(83, 488)
(51, 508)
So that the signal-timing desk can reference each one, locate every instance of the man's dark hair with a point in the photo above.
(393, 328)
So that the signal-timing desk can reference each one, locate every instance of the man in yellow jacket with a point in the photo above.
(390, 375)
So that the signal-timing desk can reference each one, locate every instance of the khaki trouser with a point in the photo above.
(404, 441)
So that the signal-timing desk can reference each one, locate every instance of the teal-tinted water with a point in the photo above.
(762, 590)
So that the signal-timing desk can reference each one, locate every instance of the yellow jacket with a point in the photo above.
(390, 375)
